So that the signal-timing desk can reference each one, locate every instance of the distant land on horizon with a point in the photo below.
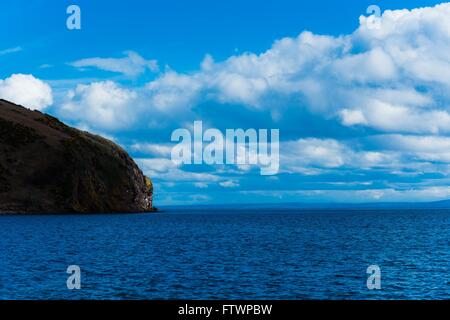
(442, 204)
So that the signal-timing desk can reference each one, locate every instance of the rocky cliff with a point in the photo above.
(48, 167)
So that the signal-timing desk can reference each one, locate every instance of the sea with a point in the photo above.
(228, 254)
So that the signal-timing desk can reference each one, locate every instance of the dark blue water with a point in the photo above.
(225, 255)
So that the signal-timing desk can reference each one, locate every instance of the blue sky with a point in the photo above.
(362, 112)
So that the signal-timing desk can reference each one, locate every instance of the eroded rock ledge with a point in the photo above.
(48, 167)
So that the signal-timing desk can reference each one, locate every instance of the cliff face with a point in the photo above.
(48, 167)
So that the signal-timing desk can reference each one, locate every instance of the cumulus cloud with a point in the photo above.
(427, 148)
(100, 104)
(392, 154)
(367, 78)
(157, 165)
(352, 117)
(303, 154)
(391, 118)
(162, 150)
(166, 169)
(327, 153)
(172, 92)
(395, 78)
(391, 84)
(26, 90)
(131, 65)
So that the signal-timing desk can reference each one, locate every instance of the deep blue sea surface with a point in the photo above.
(251, 254)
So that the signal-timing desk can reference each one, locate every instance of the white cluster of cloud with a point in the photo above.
(299, 155)
(102, 104)
(408, 155)
(158, 150)
(166, 169)
(396, 154)
(393, 79)
(131, 65)
(27, 91)
(426, 148)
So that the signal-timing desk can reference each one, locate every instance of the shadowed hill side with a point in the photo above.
(48, 167)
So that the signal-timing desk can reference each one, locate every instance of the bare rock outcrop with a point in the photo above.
(48, 167)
